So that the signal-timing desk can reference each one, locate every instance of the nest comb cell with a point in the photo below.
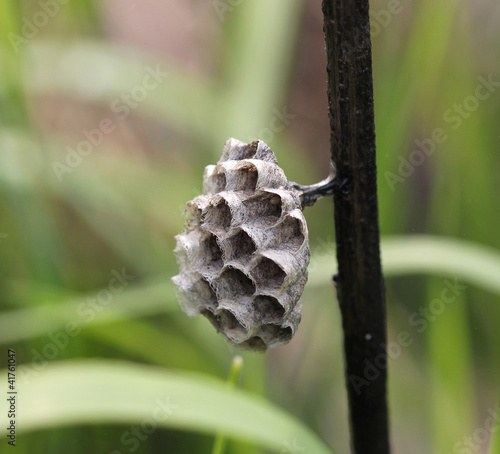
(244, 253)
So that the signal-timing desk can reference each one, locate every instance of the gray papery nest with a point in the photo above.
(244, 254)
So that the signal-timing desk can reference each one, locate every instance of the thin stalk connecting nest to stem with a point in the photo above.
(310, 194)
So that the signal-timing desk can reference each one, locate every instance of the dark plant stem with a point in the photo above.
(360, 285)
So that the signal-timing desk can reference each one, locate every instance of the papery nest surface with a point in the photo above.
(244, 254)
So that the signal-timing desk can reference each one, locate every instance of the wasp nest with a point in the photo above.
(244, 254)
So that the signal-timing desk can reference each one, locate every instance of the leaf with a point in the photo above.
(123, 393)
(475, 263)
(495, 436)
(467, 261)
(187, 101)
(256, 67)
(141, 300)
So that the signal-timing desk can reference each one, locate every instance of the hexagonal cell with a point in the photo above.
(217, 182)
(212, 253)
(233, 283)
(244, 178)
(264, 209)
(218, 217)
(254, 343)
(268, 274)
(247, 151)
(289, 234)
(230, 325)
(195, 293)
(187, 248)
(275, 335)
(193, 215)
(212, 318)
(270, 309)
(240, 247)
(206, 293)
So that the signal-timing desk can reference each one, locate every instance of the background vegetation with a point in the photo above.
(246, 70)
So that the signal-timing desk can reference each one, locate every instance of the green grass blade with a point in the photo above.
(471, 262)
(140, 300)
(260, 39)
(152, 344)
(234, 373)
(450, 369)
(106, 73)
(123, 393)
(495, 437)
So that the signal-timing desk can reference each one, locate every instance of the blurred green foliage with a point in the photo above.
(65, 235)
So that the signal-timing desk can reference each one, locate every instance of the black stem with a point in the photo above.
(360, 285)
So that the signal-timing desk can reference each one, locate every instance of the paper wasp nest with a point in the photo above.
(244, 254)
